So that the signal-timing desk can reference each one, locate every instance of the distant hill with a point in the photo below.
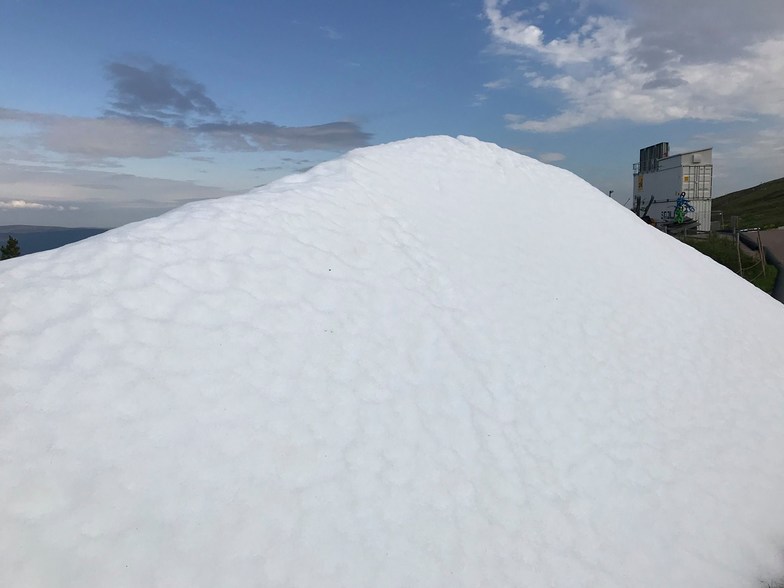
(33, 239)
(761, 206)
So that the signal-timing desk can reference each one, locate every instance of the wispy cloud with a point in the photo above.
(613, 68)
(479, 99)
(745, 153)
(551, 157)
(330, 33)
(497, 84)
(103, 198)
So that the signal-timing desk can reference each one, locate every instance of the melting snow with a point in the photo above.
(429, 363)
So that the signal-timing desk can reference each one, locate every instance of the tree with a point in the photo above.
(10, 249)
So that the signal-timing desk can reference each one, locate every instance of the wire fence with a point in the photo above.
(760, 257)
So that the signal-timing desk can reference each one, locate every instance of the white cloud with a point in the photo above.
(599, 38)
(603, 71)
(20, 204)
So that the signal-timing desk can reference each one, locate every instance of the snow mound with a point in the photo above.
(429, 363)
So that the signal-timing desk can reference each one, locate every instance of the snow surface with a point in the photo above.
(429, 363)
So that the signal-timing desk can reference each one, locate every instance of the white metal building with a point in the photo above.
(659, 178)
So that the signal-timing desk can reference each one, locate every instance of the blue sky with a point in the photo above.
(115, 111)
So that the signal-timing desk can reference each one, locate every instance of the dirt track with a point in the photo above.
(774, 242)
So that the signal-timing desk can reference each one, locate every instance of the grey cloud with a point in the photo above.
(95, 139)
(689, 32)
(651, 62)
(91, 140)
(97, 186)
(698, 31)
(159, 111)
(135, 118)
(271, 137)
(551, 157)
(157, 91)
(663, 82)
(268, 168)
(100, 138)
(160, 95)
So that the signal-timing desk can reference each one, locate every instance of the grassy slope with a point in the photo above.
(761, 206)
(723, 250)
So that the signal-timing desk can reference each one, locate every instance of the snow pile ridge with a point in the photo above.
(434, 362)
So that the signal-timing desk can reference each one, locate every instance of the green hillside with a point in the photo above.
(761, 206)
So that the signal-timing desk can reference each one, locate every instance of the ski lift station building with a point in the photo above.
(659, 178)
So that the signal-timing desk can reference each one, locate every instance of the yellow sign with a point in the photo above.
(639, 182)
(685, 178)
